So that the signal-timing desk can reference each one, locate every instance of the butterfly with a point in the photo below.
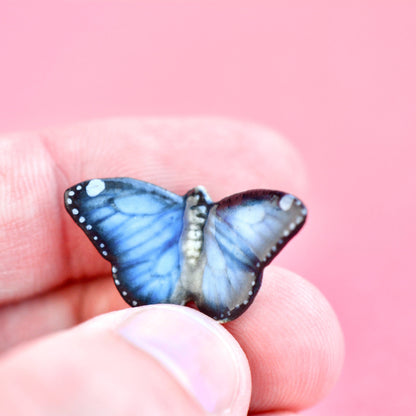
(167, 248)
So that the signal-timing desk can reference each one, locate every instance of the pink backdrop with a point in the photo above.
(338, 79)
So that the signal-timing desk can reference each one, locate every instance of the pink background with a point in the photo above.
(338, 78)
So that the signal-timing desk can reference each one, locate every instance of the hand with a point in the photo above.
(153, 360)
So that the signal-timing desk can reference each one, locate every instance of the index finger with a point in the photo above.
(41, 249)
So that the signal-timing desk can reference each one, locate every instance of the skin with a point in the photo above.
(52, 279)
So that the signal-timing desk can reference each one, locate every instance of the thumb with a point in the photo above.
(153, 360)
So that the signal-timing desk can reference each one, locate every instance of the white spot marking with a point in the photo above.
(104, 253)
(114, 269)
(88, 227)
(253, 283)
(71, 193)
(69, 201)
(78, 188)
(95, 238)
(117, 282)
(75, 211)
(286, 233)
(304, 211)
(250, 293)
(258, 264)
(292, 226)
(286, 202)
(102, 245)
(299, 219)
(134, 303)
(245, 302)
(124, 293)
(95, 187)
(81, 219)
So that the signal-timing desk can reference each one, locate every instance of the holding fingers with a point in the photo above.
(290, 335)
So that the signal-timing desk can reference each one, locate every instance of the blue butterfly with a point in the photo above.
(166, 248)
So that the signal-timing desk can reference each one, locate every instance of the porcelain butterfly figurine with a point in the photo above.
(166, 248)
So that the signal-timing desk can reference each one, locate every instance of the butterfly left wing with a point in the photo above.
(136, 226)
(242, 235)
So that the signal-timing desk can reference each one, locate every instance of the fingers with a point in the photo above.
(57, 309)
(164, 360)
(40, 248)
(290, 334)
(293, 343)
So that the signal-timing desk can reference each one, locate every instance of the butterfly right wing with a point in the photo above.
(137, 227)
(242, 235)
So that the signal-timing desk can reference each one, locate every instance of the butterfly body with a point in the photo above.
(166, 248)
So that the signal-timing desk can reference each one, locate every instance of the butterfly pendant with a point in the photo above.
(166, 248)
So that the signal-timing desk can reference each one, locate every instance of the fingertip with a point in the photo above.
(300, 339)
(159, 359)
(223, 154)
(198, 351)
(226, 156)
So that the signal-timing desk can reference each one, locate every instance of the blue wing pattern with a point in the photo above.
(243, 233)
(137, 227)
(165, 248)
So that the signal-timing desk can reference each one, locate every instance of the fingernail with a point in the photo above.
(196, 350)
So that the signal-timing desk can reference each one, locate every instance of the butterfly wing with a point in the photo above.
(137, 227)
(242, 235)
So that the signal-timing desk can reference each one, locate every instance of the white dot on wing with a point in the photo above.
(69, 201)
(124, 293)
(88, 227)
(75, 211)
(102, 245)
(114, 269)
(134, 303)
(78, 188)
(95, 238)
(117, 282)
(81, 219)
(71, 193)
(104, 253)
(95, 187)
(286, 202)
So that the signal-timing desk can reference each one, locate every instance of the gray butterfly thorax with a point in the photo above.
(198, 207)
